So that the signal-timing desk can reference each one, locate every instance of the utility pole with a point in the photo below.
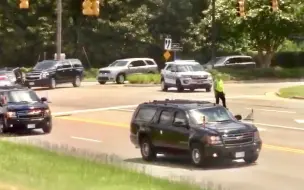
(213, 30)
(59, 29)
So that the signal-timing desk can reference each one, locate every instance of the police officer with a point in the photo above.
(219, 90)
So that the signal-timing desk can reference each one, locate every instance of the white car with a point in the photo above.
(185, 74)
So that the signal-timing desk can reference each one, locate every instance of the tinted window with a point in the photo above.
(22, 96)
(169, 67)
(118, 63)
(246, 59)
(66, 65)
(138, 63)
(189, 68)
(145, 114)
(76, 64)
(45, 65)
(180, 117)
(150, 62)
(165, 117)
(215, 114)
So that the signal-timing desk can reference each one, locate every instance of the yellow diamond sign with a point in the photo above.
(167, 55)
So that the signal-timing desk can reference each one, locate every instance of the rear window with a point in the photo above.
(146, 114)
(150, 62)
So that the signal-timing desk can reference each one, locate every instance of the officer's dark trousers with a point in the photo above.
(218, 96)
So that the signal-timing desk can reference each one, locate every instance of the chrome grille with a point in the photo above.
(103, 72)
(200, 77)
(238, 139)
(28, 114)
(32, 77)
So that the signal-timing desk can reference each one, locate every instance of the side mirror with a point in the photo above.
(238, 117)
(43, 99)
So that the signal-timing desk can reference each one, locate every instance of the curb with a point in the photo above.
(294, 97)
(265, 81)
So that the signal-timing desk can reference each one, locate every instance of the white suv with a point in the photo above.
(185, 74)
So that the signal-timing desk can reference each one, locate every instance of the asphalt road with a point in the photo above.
(100, 115)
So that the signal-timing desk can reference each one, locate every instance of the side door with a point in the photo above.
(138, 66)
(171, 74)
(68, 71)
(231, 62)
(60, 72)
(179, 133)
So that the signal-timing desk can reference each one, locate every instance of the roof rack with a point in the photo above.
(178, 101)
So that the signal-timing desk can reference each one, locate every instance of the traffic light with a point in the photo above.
(274, 5)
(24, 4)
(95, 7)
(87, 8)
(241, 8)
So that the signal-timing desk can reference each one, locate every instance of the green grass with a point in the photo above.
(144, 79)
(293, 91)
(29, 167)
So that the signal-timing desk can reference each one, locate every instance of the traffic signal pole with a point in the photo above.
(213, 33)
(59, 29)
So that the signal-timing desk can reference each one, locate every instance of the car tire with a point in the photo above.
(47, 129)
(120, 79)
(147, 150)
(76, 81)
(208, 89)
(192, 89)
(251, 159)
(197, 155)
(179, 86)
(164, 87)
(102, 82)
(52, 83)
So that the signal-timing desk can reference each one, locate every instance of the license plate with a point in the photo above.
(31, 83)
(240, 154)
(31, 126)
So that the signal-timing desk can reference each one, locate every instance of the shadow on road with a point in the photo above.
(21, 133)
(46, 88)
(185, 163)
(185, 91)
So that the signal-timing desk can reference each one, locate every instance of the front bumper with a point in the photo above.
(38, 83)
(191, 83)
(222, 151)
(29, 123)
(106, 77)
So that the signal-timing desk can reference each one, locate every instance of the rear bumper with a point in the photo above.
(29, 123)
(38, 83)
(230, 152)
(105, 78)
(134, 140)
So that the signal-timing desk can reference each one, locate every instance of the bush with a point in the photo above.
(144, 78)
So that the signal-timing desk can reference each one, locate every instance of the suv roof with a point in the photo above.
(181, 103)
(183, 62)
(135, 59)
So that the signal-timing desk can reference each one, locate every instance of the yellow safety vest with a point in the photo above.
(219, 85)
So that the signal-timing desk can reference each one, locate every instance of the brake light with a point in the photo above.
(3, 77)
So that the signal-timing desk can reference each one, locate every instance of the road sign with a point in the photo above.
(167, 55)
(176, 47)
(168, 44)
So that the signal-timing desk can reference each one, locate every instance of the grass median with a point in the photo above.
(26, 167)
(292, 92)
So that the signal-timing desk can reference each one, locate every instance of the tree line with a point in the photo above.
(137, 28)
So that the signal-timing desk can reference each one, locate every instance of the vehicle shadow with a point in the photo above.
(21, 133)
(46, 88)
(185, 163)
(185, 91)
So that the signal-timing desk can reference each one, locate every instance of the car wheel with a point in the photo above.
(251, 159)
(102, 82)
(120, 79)
(77, 81)
(53, 83)
(164, 87)
(47, 129)
(197, 155)
(192, 89)
(208, 89)
(179, 86)
(146, 149)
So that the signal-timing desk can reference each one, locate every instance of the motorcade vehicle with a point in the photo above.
(201, 129)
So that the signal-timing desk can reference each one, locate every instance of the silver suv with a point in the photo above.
(231, 61)
(119, 69)
(185, 74)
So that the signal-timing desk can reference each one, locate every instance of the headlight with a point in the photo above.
(256, 136)
(213, 140)
(209, 77)
(11, 114)
(47, 112)
(44, 75)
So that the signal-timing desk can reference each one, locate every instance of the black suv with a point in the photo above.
(14, 74)
(49, 73)
(201, 129)
(21, 108)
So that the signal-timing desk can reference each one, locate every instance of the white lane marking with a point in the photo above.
(86, 139)
(279, 111)
(299, 120)
(276, 126)
(91, 110)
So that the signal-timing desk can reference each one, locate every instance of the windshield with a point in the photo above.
(45, 65)
(118, 64)
(189, 68)
(20, 96)
(215, 114)
(216, 60)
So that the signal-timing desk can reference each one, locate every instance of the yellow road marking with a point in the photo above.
(124, 125)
